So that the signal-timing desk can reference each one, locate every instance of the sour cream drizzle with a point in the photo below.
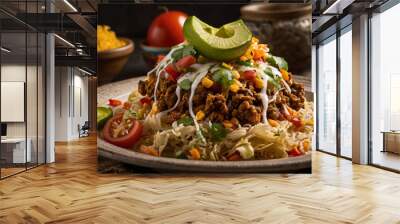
(264, 96)
(161, 66)
(201, 73)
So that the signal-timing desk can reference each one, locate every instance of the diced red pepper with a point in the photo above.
(295, 152)
(160, 57)
(185, 62)
(297, 122)
(173, 73)
(145, 100)
(249, 74)
(114, 102)
(127, 105)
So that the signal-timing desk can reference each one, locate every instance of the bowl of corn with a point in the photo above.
(112, 52)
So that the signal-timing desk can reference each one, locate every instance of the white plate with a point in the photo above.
(121, 90)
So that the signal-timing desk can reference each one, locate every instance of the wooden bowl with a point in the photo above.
(111, 62)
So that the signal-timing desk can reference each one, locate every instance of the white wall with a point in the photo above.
(33, 127)
(71, 93)
(16, 73)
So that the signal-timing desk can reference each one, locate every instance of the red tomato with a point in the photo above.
(166, 30)
(145, 100)
(114, 102)
(185, 62)
(171, 70)
(295, 152)
(249, 74)
(127, 140)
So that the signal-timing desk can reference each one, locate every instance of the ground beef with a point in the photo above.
(244, 106)
(216, 107)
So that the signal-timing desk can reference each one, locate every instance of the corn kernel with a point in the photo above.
(206, 82)
(227, 66)
(237, 82)
(259, 83)
(306, 145)
(200, 115)
(234, 88)
(309, 122)
(154, 109)
(235, 74)
(285, 74)
(227, 124)
(273, 123)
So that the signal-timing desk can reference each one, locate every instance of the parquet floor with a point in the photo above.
(71, 191)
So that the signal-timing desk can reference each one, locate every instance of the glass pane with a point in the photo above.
(327, 96)
(346, 94)
(41, 99)
(31, 99)
(13, 86)
(386, 89)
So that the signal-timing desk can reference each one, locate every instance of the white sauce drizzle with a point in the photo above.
(274, 97)
(161, 66)
(178, 95)
(201, 73)
(264, 96)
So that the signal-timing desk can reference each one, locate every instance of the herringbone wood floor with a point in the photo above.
(71, 191)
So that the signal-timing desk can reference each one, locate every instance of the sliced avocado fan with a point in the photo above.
(226, 43)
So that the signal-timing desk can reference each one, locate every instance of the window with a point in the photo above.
(385, 89)
(346, 93)
(327, 96)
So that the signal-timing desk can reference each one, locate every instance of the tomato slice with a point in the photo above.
(185, 62)
(173, 73)
(295, 152)
(114, 102)
(127, 140)
(249, 74)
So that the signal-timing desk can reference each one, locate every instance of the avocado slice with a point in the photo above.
(226, 43)
(103, 114)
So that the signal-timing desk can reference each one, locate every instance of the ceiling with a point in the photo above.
(330, 15)
(72, 20)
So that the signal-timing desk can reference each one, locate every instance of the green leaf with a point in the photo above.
(278, 62)
(245, 63)
(188, 50)
(184, 51)
(274, 80)
(223, 77)
(269, 72)
(185, 84)
(186, 121)
(217, 131)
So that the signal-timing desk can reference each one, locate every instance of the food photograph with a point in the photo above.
(184, 88)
